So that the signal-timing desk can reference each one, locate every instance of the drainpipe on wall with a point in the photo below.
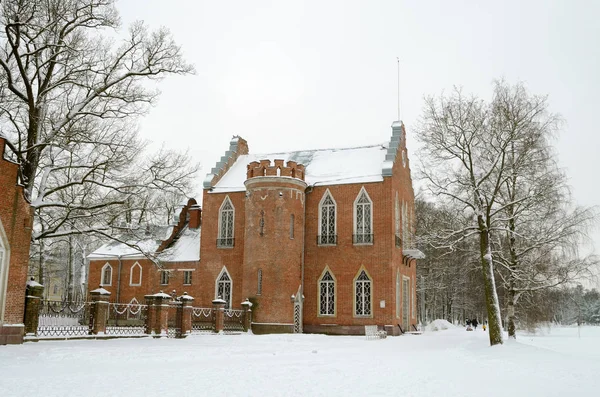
(119, 280)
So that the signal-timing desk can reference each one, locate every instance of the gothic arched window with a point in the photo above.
(223, 287)
(363, 294)
(226, 223)
(363, 218)
(327, 294)
(327, 224)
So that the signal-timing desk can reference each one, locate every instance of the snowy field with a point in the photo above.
(452, 362)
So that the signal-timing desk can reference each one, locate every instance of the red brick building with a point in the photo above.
(15, 236)
(318, 240)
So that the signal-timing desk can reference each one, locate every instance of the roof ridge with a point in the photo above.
(382, 144)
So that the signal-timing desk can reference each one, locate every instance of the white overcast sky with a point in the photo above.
(289, 75)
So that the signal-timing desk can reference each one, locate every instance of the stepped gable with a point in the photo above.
(396, 145)
(264, 168)
(237, 147)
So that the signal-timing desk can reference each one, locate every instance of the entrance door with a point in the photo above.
(405, 303)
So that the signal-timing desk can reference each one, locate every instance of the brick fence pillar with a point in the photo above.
(219, 310)
(247, 314)
(33, 302)
(157, 321)
(99, 311)
(186, 314)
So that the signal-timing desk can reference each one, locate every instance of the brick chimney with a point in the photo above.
(195, 216)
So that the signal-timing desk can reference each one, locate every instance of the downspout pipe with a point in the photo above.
(119, 279)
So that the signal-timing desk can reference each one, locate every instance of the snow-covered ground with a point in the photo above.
(451, 362)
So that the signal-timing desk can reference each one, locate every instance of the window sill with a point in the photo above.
(326, 315)
(362, 244)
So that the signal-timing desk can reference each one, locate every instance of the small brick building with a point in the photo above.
(318, 240)
(15, 236)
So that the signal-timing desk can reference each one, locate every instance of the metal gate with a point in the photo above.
(298, 311)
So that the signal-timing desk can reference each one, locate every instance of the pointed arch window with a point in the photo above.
(327, 220)
(327, 292)
(135, 275)
(106, 275)
(226, 224)
(363, 218)
(363, 295)
(223, 287)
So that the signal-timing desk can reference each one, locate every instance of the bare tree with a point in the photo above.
(69, 100)
(538, 248)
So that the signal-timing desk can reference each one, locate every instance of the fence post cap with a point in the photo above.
(161, 295)
(247, 303)
(32, 283)
(100, 291)
(218, 301)
(186, 297)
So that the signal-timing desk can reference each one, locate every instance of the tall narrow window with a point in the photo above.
(135, 274)
(397, 221)
(362, 294)
(404, 225)
(107, 275)
(259, 283)
(363, 219)
(327, 212)
(223, 287)
(164, 277)
(414, 300)
(292, 218)
(398, 294)
(226, 223)
(187, 277)
(327, 294)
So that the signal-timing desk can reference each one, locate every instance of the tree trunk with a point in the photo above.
(511, 314)
(491, 297)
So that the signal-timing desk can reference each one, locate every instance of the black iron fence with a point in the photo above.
(233, 321)
(61, 318)
(203, 320)
(126, 319)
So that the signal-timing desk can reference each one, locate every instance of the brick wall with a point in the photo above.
(16, 217)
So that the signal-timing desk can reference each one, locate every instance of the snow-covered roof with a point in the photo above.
(322, 166)
(185, 249)
(146, 242)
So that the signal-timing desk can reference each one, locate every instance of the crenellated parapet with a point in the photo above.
(277, 168)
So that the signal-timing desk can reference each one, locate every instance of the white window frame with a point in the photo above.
(355, 289)
(185, 274)
(321, 204)
(320, 289)
(223, 234)
(355, 220)
(217, 281)
(131, 280)
(102, 283)
(164, 273)
(4, 267)
(398, 295)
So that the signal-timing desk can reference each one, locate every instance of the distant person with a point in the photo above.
(484, 325)
(474, 322)
(468, 322)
